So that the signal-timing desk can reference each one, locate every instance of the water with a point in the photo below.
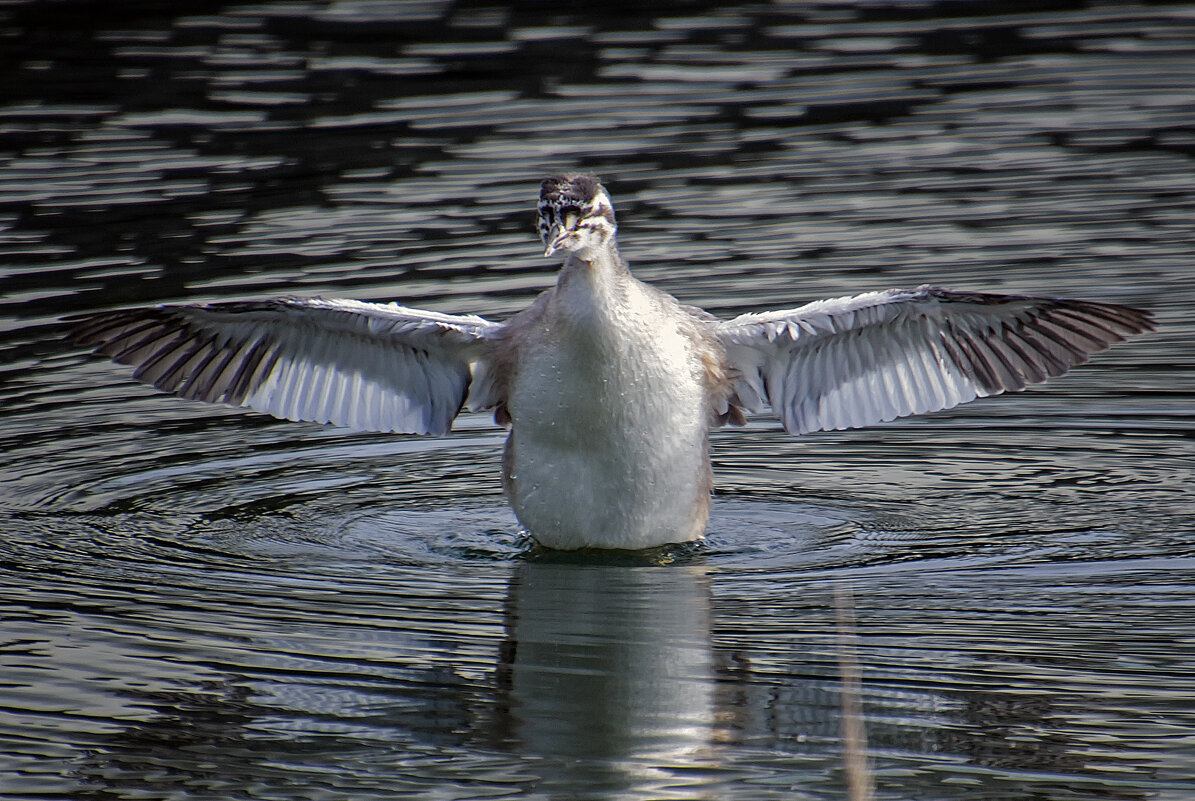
(200, 603)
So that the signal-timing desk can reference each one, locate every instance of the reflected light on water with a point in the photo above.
(200, 603)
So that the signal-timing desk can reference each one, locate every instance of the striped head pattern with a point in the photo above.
(575, 214)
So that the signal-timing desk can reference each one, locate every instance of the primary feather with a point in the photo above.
(855, 361)
(361, 365)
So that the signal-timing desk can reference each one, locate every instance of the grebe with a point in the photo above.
(609, 387)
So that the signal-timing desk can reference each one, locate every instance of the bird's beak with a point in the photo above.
(555, 240)
(560, 234)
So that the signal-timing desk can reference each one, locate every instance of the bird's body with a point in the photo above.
(610, 387)
(609, 404)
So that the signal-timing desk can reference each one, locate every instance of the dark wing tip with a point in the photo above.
(1135, 320)
(1045, 338)
(95, 329)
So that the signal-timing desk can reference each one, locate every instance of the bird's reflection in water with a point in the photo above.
(585, 676)
(609, 675)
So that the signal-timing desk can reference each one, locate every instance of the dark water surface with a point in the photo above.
(199, 603)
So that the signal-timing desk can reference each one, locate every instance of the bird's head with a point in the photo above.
(575, 214)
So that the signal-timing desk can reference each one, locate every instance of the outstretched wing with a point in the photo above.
(855, 361)
(366, 366)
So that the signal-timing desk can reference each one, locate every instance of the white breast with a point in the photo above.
(610, 426)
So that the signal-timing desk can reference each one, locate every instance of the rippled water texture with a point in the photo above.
(197, 602)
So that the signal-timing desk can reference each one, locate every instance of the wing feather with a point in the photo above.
(854, 361)
(379, 367)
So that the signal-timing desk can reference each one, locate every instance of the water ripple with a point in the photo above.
(199, 602)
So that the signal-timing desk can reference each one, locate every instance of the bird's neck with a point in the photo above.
(594, 289)
(593, 270)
